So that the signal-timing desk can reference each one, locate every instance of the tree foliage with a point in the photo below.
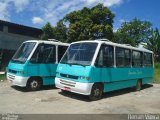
(90, 23)
(154, 43)
(60, 31)
(133, 32)
(47, 32)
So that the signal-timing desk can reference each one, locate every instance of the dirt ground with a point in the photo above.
(50, 100)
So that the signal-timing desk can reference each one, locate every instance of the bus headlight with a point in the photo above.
(84, 78)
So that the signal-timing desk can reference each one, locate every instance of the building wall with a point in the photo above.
(12, 41)
(9, 43)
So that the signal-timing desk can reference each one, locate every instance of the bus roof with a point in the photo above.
(105, 41)
(48, 42)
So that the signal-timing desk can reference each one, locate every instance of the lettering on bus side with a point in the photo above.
(135, 72)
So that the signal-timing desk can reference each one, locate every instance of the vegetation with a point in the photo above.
(47, 32)
(2, 77)
(90, 23)
(153, 44)
(157, 73)
(85, 24)
(133, 32)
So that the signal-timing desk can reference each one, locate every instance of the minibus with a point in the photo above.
(98, 66)
(34, 63)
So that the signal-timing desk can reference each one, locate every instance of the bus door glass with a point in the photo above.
(43, 61)
(105, 62)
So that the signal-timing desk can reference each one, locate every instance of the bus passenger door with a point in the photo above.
(44, 63)
(105, 63)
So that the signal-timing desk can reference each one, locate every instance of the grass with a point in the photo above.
(2, 77)
(157, 73)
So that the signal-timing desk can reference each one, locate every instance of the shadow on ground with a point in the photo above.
(105, 95)
(23, 89)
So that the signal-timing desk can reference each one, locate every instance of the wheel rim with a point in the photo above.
(97, 93)
(34, 84)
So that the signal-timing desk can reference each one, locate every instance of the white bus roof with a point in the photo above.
(48, 42)
(100, 41)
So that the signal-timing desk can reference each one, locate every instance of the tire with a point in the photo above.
(34, 84)
(138, 85)
(96, 92)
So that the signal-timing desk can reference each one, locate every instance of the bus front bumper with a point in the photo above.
(17, 80)
(76, 87)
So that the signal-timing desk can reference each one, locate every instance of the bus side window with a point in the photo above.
(105, 57)
(61, 51)
(120, 57)
(137, 59)
(44, 53)
(37, 55)
(147, 60)
(123, 57)
(49, 54)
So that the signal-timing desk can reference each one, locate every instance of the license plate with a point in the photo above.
(67, 88)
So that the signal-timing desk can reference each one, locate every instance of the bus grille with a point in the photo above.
(68, 83)
(12, 71)
(69, 76)
(11, 77)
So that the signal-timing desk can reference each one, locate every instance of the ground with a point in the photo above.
(51, 100)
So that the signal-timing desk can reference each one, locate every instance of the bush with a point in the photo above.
(2, 77)
(157, 65)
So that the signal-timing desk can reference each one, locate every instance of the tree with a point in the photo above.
(90, 23)
(154, 43)
(60, 31)
(123, 38)
(134, 32)
(47, 32)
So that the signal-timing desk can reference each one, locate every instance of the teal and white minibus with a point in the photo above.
(94, 67)
(35, 62)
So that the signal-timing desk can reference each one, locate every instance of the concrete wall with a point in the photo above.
(11, 41)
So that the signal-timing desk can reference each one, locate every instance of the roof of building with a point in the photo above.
(17, 25)
(21, 29)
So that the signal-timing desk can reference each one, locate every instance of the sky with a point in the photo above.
(36, 13)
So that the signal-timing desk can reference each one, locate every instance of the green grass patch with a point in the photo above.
(2, 77)
(157, 65)
(157, 75)
(157, 72)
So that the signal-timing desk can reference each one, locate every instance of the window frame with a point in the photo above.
(148, 66)
(44, 44)
(124, 58)
(141, 57)
(113, 56)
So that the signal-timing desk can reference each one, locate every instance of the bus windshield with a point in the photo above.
(23, 52)
(79, 54)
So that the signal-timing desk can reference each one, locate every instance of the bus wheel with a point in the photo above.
(138, 85)
(33, 84)
(96, 92)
